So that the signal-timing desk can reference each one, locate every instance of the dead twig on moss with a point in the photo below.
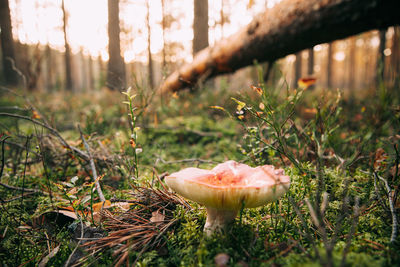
(92, 166)
(2, 169)
(52, 131)
(390, 196)
(198, 160)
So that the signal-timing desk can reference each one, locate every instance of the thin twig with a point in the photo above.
(77, 245)
(2, 169)
(2, 156)
(198, 160)
(19, 188)
(391, 206)
(51, 129)
(22, 194)
(92, 166)
(356, 211)
(17, 197)
(21, 146)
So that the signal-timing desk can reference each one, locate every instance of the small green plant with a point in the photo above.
(133, 113)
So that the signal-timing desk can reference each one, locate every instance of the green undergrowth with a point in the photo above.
(341, 153)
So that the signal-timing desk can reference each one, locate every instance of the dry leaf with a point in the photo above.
(52, 253)
(304, 83)
(221, 259)
(157, 217)
(98, 206)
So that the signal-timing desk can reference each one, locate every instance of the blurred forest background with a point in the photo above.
(86, 141)
(63, 45)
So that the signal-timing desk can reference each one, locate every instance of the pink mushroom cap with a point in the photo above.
(230, 185)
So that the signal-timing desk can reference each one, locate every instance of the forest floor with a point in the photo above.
(342, 155)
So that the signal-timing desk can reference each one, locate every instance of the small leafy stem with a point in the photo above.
(134, 129)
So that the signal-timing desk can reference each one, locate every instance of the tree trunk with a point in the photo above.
(91, 74)
(352, 63)
(329, 66)
(164, 63)
(116, 67)
(395, 57)
(200, 25)
(290, 26)
(297, 70)
(310, 62)
(68, 70)
(150, 65)
(380, 62)
(7, 44)
(49, 68)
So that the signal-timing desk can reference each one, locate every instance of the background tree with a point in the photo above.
(297, 69)
(306, 24)
(380, 62)
(329, 66)
(150, 63)
(163, 27)
(116, 67)
(7, 44)
(68, 71)
(200, 25)
(310, 62)
(395, 58)
(352, 62)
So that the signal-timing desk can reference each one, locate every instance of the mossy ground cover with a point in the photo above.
(340, 152)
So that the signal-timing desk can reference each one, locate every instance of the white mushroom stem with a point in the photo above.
(218, 220)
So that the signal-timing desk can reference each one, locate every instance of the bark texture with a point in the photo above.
(7, 44)
(116, 67)
(289, 27)
(200, 25)
(150, 64)
(68, 70)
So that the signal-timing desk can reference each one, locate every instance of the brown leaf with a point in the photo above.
(221, 259)
(157, 217)
(99, 205)
(52, 253)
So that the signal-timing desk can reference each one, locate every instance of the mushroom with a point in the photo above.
(228, 188)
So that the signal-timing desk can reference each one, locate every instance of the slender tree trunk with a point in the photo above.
(395, 58)
(68, 70)
(329, 66)
(352, 63)
(222, 16)
(91, 75)
(290, 26)
(380, 62)
(116, 79)
(268, 70)
(297, 70)
(310, 62)
(7, 44)
(150, 65)
(200, 25)
(163, 33)
(49, 68)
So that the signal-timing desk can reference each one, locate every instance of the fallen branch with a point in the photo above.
(290, 26)
(52, 130)
(198, 160)
(93, 167)
(391, 206)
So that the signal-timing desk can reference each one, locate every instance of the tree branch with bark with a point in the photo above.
(288, 27)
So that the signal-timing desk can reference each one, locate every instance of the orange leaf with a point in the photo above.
(304, 83)
(98, 206)
(35, 115)
(259, 90)
(132, 142)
